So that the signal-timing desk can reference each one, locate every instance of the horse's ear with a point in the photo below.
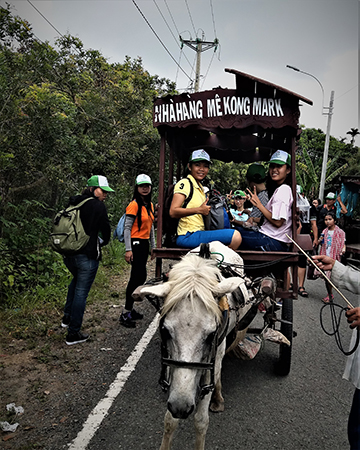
(227, 285)
(160, 290)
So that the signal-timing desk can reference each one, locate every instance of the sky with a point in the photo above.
(258, 37)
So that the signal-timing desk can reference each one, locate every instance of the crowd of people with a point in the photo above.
(260, 218)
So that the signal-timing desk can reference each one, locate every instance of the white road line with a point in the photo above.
(97, 415)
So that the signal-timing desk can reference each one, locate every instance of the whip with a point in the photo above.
(336, 323)
(322, 273)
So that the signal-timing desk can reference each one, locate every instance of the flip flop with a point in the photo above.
(327, 299)
(302, 292)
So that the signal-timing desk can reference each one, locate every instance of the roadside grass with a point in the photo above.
(31, 314)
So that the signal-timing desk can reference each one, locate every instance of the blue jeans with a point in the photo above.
(192, 240)
(84, 271)
(254, 240)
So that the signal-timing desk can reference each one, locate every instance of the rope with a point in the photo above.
(335, 327)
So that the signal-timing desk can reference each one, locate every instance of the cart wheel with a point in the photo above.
(282, 366)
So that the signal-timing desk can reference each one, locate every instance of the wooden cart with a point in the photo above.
(245, 124)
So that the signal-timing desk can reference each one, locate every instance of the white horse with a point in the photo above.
(195, 319)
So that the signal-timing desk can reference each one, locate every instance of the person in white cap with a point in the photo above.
(191, 230)
(329, 206)
(138, 230)
(84, 265)
(271, 236)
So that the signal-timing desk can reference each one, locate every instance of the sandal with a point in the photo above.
(302, 292)
(327, 299)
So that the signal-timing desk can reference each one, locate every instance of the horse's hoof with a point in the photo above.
(217, 407)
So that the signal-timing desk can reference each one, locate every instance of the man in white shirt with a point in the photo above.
(347, 278)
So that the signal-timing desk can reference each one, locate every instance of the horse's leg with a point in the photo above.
(217, 400)
(170, 425)
(201, 422)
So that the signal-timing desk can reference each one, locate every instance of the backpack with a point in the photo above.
(68, 235)
(119, 230)
(218, 218)
(170, 224)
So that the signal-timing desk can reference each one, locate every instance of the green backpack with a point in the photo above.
(68, 235)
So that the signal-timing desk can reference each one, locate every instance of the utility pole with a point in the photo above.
(326, 148)
(199, 45)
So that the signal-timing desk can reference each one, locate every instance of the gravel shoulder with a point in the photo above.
(59, 385)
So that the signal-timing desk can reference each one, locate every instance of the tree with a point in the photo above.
(353, 133)
(309, 158)
(66, 114)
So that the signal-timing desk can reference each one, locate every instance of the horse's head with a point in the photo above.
(191, 323)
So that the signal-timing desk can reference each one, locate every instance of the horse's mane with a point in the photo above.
(193, 278)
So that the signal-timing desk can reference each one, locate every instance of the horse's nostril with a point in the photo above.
(180, 412)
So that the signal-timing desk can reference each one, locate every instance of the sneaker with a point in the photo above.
(76, 338)
(65, 321)
(126, 320)
(135, 315)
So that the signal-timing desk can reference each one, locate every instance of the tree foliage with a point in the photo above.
(66, 114)
(309, 158)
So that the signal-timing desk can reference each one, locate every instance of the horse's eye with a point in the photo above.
(210, 338)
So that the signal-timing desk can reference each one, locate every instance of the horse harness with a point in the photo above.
(209, 365)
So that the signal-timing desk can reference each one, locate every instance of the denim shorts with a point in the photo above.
(192, 240)
(255, 240)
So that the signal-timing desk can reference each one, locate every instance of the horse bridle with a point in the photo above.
(209, 365)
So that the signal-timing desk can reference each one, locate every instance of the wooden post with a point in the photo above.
(293, 210)
(160, 202)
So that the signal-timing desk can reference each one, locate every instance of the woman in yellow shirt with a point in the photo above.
(138, 230)
(191, 230)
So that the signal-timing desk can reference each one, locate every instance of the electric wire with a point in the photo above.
(177, 69)
(207, 72)
(176, 40)
(187, 6)
(213, 17)
(42, 15)
(341, 95)
(152, 29)
(172, 18)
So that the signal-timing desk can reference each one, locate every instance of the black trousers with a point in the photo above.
(354, 422)
(140, 250)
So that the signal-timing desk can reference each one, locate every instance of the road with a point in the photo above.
(308, 409)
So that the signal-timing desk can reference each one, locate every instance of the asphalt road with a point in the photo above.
(308, 409)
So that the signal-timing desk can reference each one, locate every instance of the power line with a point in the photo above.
(190, 16)
(48, 21)
(152, 29)
(347, 91)
(207, 72)
(172, 18)
(213, 18)
(42, 15)
(176, 40)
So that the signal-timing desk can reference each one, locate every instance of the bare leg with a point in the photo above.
(235, 241)
(301, 274)
(170, 425)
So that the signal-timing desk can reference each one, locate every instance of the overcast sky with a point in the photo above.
(258, 37)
